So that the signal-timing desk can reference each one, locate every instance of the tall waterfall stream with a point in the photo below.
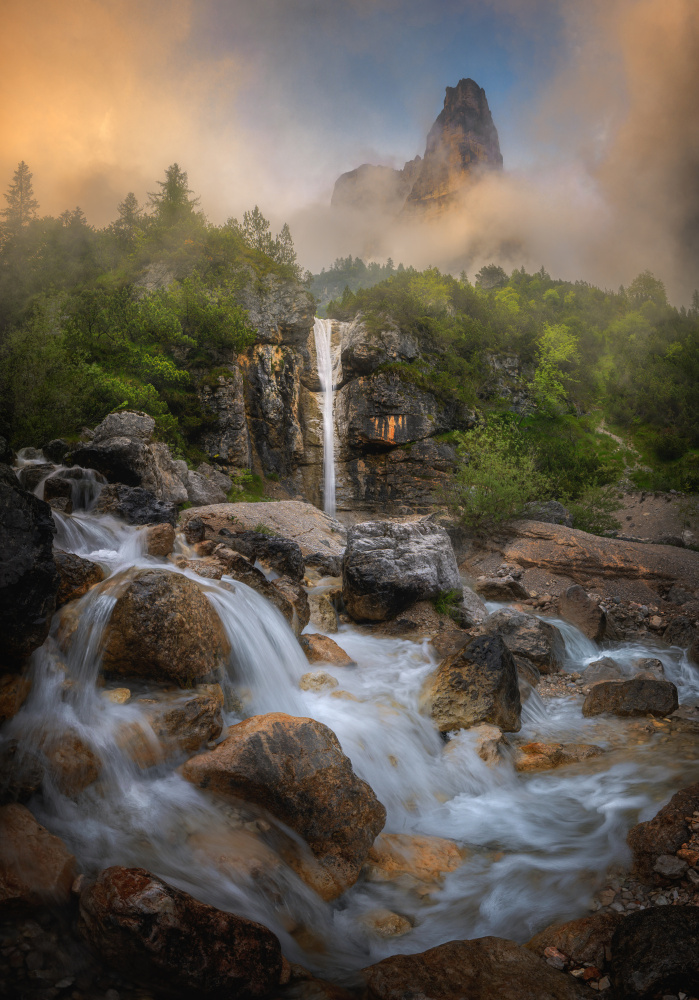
(328, 360)
(535, 845)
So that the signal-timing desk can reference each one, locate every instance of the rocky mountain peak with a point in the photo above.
(463, 139)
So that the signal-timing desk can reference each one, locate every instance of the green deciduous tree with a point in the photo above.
(557, 355)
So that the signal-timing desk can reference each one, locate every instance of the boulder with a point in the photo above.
(550, 512)
(544, 756)
(59, 488)
(320, 649)
(681, 632)
(476, 684)
(295, 594)
(56, 450)
(182, 722)
(638, 696)
(411, 861)
(665, 833)
(604, 669)
(295, 768)
(314, 530)
(166, 938)
(14, 689)
(283, 555)
(28, 575)
(163, 628)
(579, 609)
(31, 475)
(326, 564)
(388, 566)
(123, 450)
(70, 762)
(501, 588)
(21, 773)
(160, 539)
(472, 611)
(135, 505)
(76, 576)
(656, 952)
(36, 868)
(585, 941)
(486, 967)
(322, 611)
(650, 667)
(203, 490)
(288, 596)
(318, 680)
(529, 637)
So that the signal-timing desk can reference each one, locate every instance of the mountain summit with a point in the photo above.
(462, 141)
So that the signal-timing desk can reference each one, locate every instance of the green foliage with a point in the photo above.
(446, 601)
(594, 509)
(350, 273)
(263, 529)
(21, 203)
(491, 276)
(497, 479)
(557, 354)
(256, 234)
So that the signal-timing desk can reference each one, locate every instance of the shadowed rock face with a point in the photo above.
(665, 833)
(655, 952)
(486, 967)
(639, 696)
(165, 937)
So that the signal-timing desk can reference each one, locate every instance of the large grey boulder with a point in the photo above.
(528, 637)
(135, 505)
(122, 449)
(207, 486)
(388, 566)
(639, 696)
(550, 512)
(28, 575)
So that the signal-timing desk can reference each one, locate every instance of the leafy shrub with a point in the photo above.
(498, 479)
(594, 510)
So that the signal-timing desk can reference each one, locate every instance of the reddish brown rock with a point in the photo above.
(14, 689)
(164, 628)
(320, 649)
(639, 696)
(176, 722)
(76, 576)
(488, 967)
(665, 833)
(287, 595)
(497, 588)
(166, 938)
(585, 941)
(476, 684)
(70, 762)
(544, 756)
(160, 539)
(36, 868)
(296, 769)
(579, 609)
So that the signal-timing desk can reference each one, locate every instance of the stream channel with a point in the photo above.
(535, 846)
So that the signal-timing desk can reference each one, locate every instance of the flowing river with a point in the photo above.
(535, 845)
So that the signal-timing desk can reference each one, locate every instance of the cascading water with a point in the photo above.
(535, 845)
(327, 360)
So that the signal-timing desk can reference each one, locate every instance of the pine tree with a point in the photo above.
(285, 252)
(21, 203)
(130, 219)
(173, 202)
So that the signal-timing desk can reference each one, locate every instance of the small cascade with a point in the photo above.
(328, 364)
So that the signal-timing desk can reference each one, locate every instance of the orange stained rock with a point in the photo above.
(386, 427)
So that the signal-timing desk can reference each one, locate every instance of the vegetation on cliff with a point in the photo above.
(96, 319)
(585, 355)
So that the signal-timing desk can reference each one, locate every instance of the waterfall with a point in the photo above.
(327, 371)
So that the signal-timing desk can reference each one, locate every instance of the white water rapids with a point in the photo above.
(328, 363)
(536, 846)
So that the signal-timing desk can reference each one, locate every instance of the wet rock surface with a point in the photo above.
(388, 566)
(656, 952)
(167, 938)
(528, 637)
(666, 832)
(296, 769)
(36, 868)
(163, 627)
(28, 575)
(321, 649)
(639, 696)
(14, 689)
(476, 684)
(283, 555)
(76, 576)
(135, 505)
(485, 967)
(577, 607)
(544, 756)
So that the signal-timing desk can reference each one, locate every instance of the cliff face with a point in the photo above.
(462, 141)
(264, 411)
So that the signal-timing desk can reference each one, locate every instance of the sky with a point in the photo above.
(268, 101)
